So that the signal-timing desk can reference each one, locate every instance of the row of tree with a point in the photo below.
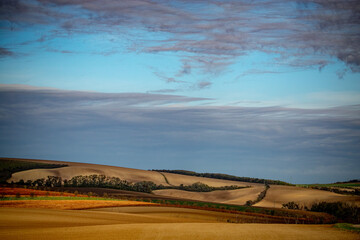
(103, 181)
(341, 210)
(224, 176)
(260, 197)
(100, 181)
(202, 187)
(8, 167)
(353, 191)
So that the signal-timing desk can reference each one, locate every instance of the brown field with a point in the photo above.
(75, 169)
(133, 223)
(177, 214)
(277, 195)
(69, 204)
(177, 179)
(129, 174)
(238, 196)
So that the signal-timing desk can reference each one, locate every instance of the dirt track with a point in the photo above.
(75, 224)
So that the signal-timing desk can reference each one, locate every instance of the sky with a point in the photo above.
(266, 89)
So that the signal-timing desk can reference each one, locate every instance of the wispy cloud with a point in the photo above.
(168, 132)
(211, 35)
(4, 52)
(162, 76)
(204, 84)
(164, 91)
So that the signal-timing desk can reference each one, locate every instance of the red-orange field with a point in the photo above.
(70, 204)
(5, 191)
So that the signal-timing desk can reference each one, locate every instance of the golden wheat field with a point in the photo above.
(136, 224)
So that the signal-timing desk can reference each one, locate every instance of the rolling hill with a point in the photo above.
(275, 196)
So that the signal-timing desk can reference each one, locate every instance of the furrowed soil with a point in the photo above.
(144, 224)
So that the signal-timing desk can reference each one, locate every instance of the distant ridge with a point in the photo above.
(225, 177)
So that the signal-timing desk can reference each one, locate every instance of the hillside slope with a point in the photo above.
(129, 174)
(238, 196)
(275, 197)
(278, 195)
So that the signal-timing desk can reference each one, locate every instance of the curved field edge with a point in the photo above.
(11, 166)
(278, 195)
(280, 215)
(239, 196)
(132, 175)
(64, 224)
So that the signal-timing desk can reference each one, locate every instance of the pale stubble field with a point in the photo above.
(138, 223)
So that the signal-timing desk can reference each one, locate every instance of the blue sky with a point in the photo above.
(252, 88)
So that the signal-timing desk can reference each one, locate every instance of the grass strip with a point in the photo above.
(347, 227)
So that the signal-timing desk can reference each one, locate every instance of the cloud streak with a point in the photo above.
(211, 35)
(6, 52)
(155, 130)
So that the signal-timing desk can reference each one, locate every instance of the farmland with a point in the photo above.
(78, 201)
(132, 224)
(277, 194)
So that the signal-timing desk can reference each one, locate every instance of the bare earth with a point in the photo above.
(238, 196)
(177, 179)
(129, 174)
(80, 224)
(277, 195)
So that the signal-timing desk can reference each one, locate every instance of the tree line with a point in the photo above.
(103, 181)
(224, 176)
(260, 197)
(341, 210)
(337, 190)
(8, 167)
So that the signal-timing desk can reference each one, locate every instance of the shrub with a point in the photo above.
(342, 211)
(291, 205)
